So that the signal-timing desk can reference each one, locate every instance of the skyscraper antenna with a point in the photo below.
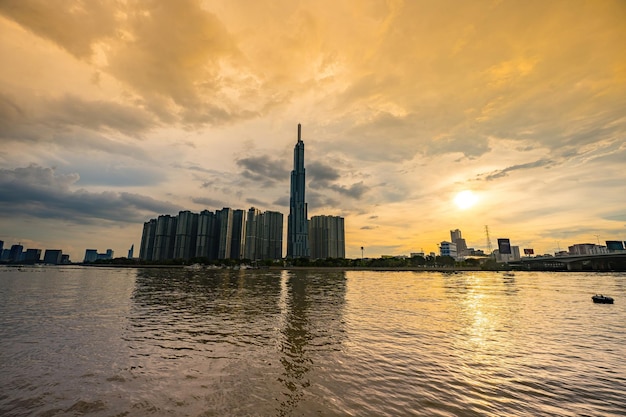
(299, 133)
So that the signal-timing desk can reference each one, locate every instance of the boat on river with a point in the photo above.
(602, 299)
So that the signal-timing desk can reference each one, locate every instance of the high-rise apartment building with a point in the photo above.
(297, 227)
(225, 236)
(146, 251)
(186, 232)
(208, 232)
(327, 237)
(238, 242)
(165, 236)
(272, 235)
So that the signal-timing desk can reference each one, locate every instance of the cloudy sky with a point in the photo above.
(113, 112)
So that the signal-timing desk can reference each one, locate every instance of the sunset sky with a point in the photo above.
(113, 112)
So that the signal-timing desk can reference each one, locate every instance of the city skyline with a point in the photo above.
(418, 119)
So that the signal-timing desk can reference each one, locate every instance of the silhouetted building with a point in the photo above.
(146, 250)
(327, 237)
(186, 232)
(225, 237)
(297, 224)
(614, 245)
(15, 254)
(91, 255)
(273, 235)
(131, 251)
(238, 239)
(227, 233)
(164, 238)
(208, 232)
(32, 256)
(53, 256)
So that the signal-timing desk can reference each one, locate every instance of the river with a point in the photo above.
(170, 342)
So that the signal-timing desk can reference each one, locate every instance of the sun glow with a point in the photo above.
(465, 199)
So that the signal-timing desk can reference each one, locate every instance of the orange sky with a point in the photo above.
(113, 112)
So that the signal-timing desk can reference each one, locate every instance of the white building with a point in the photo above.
(447, 249)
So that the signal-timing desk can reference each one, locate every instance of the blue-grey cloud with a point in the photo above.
(35, 191)
(319, 171)
(264, 170)
(209, 202)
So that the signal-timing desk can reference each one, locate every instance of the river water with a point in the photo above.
(123, 342)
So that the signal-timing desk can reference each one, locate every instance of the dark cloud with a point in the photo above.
(319, 171)
(35, 191)
(531, 165)
(97, 115)
(282, 201)
(256, 203)
(369, 227)
(209, 202)
(263, 170)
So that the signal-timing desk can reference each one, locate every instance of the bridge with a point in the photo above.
(612, 261)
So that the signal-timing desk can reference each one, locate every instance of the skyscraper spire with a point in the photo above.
(297, 222)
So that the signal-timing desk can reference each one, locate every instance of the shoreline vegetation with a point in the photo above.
(417, 264)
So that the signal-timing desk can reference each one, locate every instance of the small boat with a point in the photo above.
(602, 299)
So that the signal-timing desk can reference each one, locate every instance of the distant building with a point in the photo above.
(131, 251)
(327, 237)
(15, 253)
(208, 232)
(32, 256)
(238, 235)
(461, 245)
(587, 249)
(513, 254)
(164, 238)
(225, 234)
(614, 245)
(148, 237)
(53, 256)
(448, 249)
(186, 234)
(91, 255)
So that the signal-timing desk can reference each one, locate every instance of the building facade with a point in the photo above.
(327, 237)
(448, 249)
(297, 227)
(225, 234)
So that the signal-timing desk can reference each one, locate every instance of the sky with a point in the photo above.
(114, 112)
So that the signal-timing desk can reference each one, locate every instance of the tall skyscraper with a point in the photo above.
(297, 227)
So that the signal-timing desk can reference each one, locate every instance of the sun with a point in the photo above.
(465, 199)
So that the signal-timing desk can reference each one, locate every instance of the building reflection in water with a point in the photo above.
(248, 334)
(311, 324)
